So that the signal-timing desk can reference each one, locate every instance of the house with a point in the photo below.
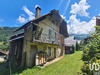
(87, 39)
(41, 41)
(2, 55)
(97, 21)
(69, 42)
(97, 24)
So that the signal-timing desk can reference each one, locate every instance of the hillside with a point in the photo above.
(5, 34)
(79, 36)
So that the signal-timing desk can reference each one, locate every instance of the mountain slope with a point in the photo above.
(79, 36)
(5, 34)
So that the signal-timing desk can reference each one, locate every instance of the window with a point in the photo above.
(52, 25)
(49, 51)
(50, 32)
(55, 35)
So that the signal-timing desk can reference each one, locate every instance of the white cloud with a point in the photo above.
(98, 14)
(78, 27)
(21, 19)
(75, 25)
(28, 12)
(62, 16)
(80, 8)
(22, 15)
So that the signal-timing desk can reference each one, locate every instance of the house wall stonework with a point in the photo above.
(43, 39)
(46, 24)
(26, 46)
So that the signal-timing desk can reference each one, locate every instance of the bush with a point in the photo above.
(78, 47)
(4, 47)
(91, 52)
(85, 57)
(85, 69)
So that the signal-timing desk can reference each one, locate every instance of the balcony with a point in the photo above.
(44, 38)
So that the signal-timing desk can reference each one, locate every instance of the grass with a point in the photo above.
(1, 43)
(69, 65)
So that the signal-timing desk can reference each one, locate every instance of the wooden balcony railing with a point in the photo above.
(44, 38)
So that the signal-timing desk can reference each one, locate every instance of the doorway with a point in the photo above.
(33, 52)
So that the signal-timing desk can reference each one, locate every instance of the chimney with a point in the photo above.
(37, 11)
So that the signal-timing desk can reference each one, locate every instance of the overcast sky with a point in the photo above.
(79, 14)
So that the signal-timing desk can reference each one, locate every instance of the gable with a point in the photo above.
(54, 16)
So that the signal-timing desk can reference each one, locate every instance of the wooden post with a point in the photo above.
(38, 58)
(43, 57)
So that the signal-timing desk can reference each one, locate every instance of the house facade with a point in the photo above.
(69, 43)
(41, 41)
(97, 21)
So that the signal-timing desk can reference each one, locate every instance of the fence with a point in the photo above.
(41, 58)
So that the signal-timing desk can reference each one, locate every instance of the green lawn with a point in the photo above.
(69, 65)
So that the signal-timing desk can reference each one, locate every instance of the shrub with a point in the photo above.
(78, 47)
(91, 52)
(85, 57)
(85, 69)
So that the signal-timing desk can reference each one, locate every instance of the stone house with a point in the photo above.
(41, 41)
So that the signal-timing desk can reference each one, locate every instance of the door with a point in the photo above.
(33, 52)
(54, 52)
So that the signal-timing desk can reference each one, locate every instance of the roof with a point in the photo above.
(70, 38)
(55, 15)
(1, 51)
(97, 17)
(17, 36)
(33, 20)
(70, 41)
(7, 52)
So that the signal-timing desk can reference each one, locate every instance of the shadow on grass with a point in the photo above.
(6, 70)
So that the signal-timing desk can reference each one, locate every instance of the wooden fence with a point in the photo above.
(41, 58)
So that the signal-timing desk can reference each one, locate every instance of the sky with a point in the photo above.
(79, 14)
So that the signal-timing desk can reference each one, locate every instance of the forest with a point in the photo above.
(5, 34)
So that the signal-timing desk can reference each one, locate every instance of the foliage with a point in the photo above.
(5, 34)
(78, 46)
(91, 52)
